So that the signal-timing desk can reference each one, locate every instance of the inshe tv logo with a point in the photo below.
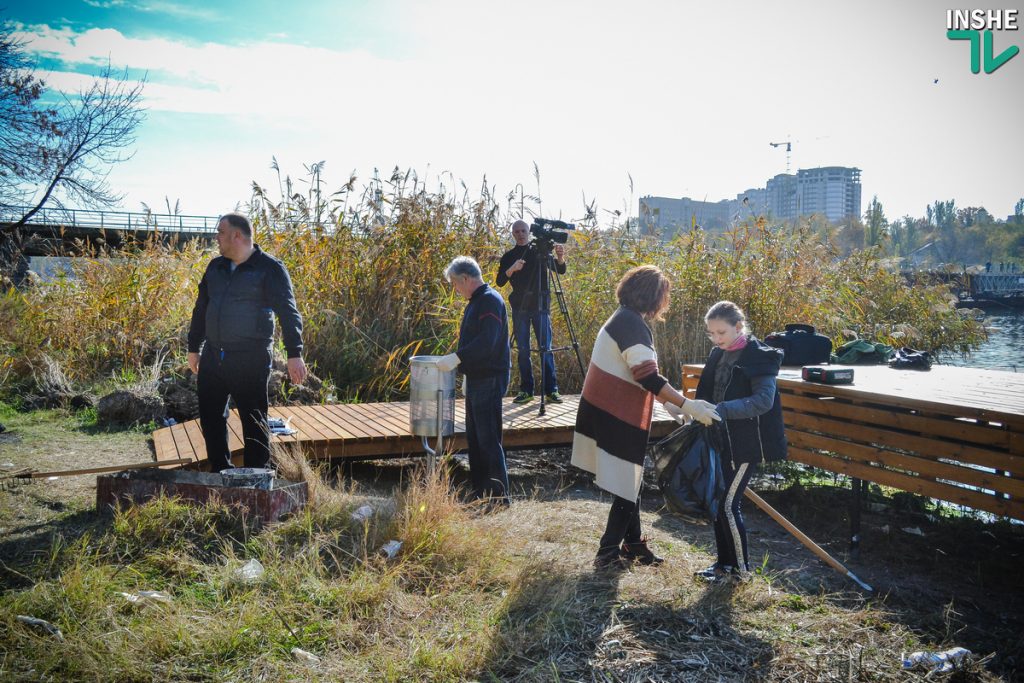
(977, 25)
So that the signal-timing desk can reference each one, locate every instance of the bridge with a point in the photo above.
(53, 231)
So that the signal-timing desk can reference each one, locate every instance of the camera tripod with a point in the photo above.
(544, 263)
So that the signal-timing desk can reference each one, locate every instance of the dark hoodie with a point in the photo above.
(751, 410)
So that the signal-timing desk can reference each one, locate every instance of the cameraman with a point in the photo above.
(519, 267)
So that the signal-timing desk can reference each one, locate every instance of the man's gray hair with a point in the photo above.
(462, 265)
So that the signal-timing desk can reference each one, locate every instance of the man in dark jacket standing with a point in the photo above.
(233, 324)
(483, 356)
(530, 308)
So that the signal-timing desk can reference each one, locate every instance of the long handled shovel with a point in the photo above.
(802, 537)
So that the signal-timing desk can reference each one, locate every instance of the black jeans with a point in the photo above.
(730, 532)
(243, 375)
(483, 435)
(623, 525)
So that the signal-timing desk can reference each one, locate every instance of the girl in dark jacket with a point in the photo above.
(739, 378)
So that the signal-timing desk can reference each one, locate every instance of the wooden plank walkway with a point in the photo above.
(380, 430)
(954, 434)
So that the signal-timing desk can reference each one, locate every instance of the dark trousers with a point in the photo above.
(730, 533)
(623, 525)
(243, 375)
(483, 435)
(540, 321)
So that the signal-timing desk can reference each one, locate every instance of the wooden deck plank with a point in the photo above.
(350, 421)
(306, 431)
(331, 423)
(372, 422)
(181, 441)
(195, 436)
(388, 414)
(311, 417)
(164, 447)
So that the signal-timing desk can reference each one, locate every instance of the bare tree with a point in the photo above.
(50, 156)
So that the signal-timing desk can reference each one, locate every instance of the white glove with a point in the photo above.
(701, 411)
(448, 363)
(674, 412)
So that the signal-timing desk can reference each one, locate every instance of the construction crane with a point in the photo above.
(789, 148)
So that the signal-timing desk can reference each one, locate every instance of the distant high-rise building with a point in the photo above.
(781, 196)
(666, 214)
(832, 191)
(757, 203)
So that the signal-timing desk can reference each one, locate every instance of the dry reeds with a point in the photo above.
(367, 266)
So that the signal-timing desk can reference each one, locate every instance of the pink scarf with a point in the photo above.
(740, 343)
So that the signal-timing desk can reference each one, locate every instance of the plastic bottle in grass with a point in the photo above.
(936, 661)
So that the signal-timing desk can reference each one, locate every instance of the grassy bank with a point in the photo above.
(508, 596)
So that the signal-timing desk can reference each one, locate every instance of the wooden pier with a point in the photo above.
(381, 430)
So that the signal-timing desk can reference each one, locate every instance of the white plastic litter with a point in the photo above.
(943, 661)
(913, 530)
(280, 427)
(42, 625)
(391, 549)
(144, 597)
(250, 572)
(362, 513)
(303, 656)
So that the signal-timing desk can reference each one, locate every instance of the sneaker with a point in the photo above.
(728, 575)
(522, 397)
(554, 397)
(641, 553)
(714, 572)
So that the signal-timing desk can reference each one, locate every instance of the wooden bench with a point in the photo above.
(953, 434)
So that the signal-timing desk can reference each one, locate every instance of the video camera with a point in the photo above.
(550, 234)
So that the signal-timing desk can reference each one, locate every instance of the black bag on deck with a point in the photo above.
(907, 358)
(689, 472)
(801, 345)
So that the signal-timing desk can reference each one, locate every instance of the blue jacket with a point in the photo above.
(234, 310)
(483, 336)
(751, 410)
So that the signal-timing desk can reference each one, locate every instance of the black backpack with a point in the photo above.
(801, 345)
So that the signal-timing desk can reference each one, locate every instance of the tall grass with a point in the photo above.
(367, 267)
(327, 589)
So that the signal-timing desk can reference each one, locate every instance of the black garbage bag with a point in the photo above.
(907, 358)
(689, 472)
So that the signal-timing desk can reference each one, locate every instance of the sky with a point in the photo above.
(611, 100)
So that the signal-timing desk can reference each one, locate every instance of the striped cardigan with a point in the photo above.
(614, 419)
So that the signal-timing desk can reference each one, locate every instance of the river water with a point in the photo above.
(1004, 349)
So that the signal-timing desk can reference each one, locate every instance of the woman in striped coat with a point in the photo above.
(614, 419)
